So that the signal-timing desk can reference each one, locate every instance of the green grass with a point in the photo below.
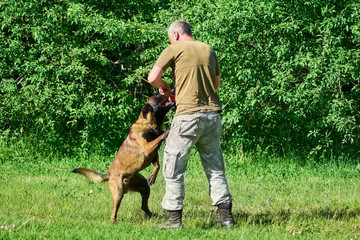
(273, 199)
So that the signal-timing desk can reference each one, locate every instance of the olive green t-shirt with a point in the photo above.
(194, 65)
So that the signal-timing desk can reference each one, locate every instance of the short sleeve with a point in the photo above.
(217, 69)
(166, 59)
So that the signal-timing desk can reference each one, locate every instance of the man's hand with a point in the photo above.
(165, 90)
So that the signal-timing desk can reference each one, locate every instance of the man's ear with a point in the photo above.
(177, 36)
(146, 109)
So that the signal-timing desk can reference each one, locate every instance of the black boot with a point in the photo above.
(225, 215)
(173, 222)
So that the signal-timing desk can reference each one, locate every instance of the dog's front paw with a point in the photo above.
(165, 134)
(151, 179)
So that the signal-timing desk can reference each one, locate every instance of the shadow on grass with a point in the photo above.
(286, 215)
(204, 219)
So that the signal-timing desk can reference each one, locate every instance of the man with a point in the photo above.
(196, 122)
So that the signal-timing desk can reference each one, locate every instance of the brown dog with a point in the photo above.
(137, 152)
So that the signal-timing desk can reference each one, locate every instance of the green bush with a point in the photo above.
(285, 66)
(68, 79)
(73, 72)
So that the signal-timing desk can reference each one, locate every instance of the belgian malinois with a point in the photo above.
(137, 152)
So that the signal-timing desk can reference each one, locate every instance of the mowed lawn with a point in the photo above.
(273, 199)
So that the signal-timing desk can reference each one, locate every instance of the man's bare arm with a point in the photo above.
(155, 79)
(217, 82)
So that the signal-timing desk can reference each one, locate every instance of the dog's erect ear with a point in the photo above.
(146, 109)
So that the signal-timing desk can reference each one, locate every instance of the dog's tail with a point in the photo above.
(92, 175)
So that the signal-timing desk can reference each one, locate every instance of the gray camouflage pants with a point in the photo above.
(202, 130)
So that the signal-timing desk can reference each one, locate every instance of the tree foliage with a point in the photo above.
(73, 73)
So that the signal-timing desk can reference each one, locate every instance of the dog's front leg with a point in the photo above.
(151, 179)
(150, 147)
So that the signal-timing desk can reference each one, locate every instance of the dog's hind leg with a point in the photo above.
(116, 186)
(151, 179)
(138, 183)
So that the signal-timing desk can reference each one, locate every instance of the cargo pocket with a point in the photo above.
(218, 130)
(170, 161)
(189, 127)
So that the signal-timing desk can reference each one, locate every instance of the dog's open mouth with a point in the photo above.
(166, 103)
(169, 104)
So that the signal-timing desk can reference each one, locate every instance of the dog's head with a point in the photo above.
(158, 105)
